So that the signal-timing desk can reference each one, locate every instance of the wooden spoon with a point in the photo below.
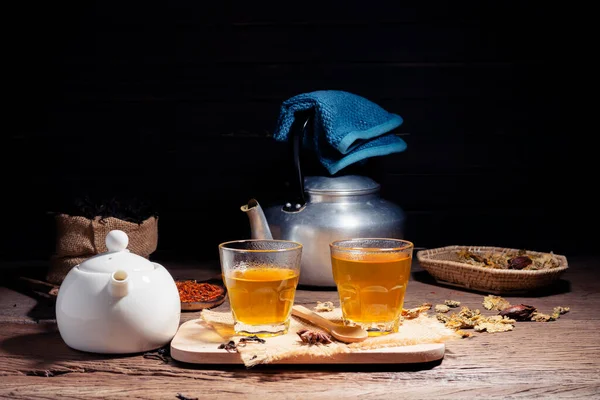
(347, 334)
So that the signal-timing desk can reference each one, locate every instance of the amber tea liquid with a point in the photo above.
(371, 287)
(262, 296)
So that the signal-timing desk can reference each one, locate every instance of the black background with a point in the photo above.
(175, 104)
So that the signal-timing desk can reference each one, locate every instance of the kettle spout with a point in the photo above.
(119, 284)
(259, 228)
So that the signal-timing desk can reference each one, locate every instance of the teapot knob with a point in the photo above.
(116, 240)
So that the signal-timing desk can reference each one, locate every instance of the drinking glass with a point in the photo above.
(371, 276)
(261, 277)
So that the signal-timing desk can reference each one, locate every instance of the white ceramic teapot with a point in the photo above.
(117, 302)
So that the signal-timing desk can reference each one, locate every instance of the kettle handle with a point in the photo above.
(299, 130)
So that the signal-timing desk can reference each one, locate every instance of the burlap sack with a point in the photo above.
(79, 238)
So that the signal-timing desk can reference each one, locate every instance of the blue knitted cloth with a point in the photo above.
(346, 128)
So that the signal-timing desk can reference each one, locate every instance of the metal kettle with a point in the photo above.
(325, 209)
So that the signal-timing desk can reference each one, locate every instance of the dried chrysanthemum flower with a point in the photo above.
(495, 323)
(462, 320)
(556, 313)
(457, 323)
(442, 318)
(441, 308)
(452, 303)
(471, 258)
(472, 319)
(544, 261)
(560, 310)
(414, 312)
(540, 317)
(492, 302)
(325, 306)
(466, 312)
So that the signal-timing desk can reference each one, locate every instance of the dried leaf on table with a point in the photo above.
(561, 310)
(472, 319)
(492, 302)
(414, 312)
(556, 313)
(452, 303)
(441, 308)
(496, 325)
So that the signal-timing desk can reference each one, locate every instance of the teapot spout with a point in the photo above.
(259, 228)
(119, 284)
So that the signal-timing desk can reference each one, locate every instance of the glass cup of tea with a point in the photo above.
(371, 276)
(261, 277)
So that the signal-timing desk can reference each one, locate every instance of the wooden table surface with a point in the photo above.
(551, 360)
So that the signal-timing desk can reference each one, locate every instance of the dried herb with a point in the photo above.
(415, 312)
(313, 337)
(504, 321)
(556, 313)
(496, 324)
(492, 302)
(161, 354)
(230, 346)
(521, 312)
(326, 306)
(191, 291)
(561, 310)
(250, 339)
(518, 260)
(472, 319)
(441, 308)
(452, 303)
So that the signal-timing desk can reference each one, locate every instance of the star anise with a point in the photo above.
(313, 337)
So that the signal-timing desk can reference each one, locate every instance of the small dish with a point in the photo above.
(201, 305)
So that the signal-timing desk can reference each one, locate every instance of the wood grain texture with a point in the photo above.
(550, 360)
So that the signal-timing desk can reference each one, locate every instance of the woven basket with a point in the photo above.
(443, 264)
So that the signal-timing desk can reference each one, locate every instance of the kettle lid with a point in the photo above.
(117, 257)
(341, 185)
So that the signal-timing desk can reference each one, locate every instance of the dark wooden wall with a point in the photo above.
(176, 103)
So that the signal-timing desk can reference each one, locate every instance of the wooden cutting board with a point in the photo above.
(194, 343)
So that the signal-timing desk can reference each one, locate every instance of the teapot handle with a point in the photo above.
(299, 129)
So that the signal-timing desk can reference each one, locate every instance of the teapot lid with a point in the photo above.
(342, 185)
(117, 257)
